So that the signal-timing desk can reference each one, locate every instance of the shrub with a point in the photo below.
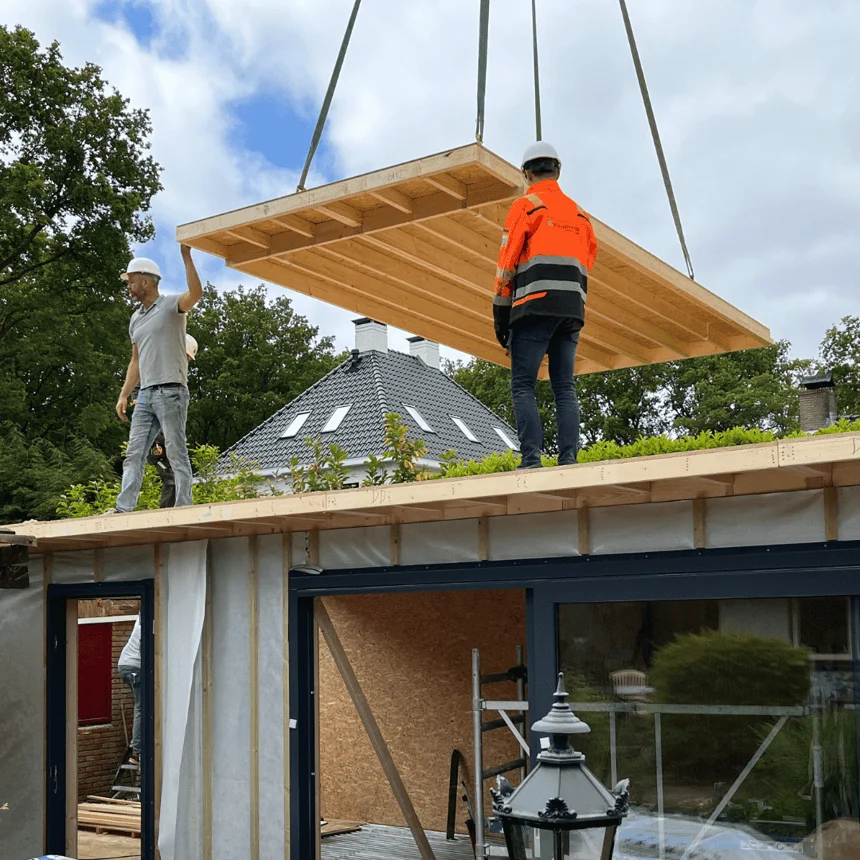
(723, 668)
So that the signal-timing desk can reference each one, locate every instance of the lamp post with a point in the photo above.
(561, 811)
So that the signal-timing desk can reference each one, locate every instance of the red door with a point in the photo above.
(94, 673)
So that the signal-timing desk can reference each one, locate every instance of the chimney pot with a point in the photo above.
(426, 350)
(817, 406)
(370, 335)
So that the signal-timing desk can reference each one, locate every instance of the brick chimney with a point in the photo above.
(817, 402)
(370, 335)
(426, 350)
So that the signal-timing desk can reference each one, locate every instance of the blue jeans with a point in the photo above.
(530, 341)
(157, 408)
(131, 676)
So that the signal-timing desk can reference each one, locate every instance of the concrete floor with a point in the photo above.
(107, 846)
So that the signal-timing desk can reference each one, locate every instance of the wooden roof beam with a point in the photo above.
(378, 219)
(296, 224)
(395, 198)
(342, 212)
(251, 235)
(448, 184)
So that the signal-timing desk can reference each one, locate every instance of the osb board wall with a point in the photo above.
(412, 654)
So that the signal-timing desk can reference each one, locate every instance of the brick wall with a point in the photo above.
(101, 748)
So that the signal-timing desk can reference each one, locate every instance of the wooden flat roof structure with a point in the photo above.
(415, 246)
(793, 464)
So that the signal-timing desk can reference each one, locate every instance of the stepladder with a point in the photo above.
(512, 715)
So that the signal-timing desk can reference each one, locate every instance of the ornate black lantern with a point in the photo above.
(561, 811)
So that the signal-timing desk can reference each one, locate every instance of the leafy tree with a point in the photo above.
(752, 388)
(75, 183)
(34, 473)
(623, 405)
(255, 356)
(74, 174)
(839, 353)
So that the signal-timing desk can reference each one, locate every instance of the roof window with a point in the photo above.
(336, 419)
(419, 419)
(505, 438)
(464, 429)
(295, 425)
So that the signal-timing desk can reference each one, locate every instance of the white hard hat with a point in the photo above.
(143, 265)
(540, 149)
(190, 347)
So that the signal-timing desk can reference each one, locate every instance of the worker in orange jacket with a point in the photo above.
(548, 249)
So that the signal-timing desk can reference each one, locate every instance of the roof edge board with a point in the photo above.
(768, 456)
(361, 184)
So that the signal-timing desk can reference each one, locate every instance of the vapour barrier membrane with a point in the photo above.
(365, 546)
(231, 717)
(641, 528)
(22, 718)
(270, 686)
(181, 745)
(549, 535)
(439, 543)
(772, 518)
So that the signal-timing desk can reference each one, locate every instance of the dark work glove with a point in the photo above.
(503, 336)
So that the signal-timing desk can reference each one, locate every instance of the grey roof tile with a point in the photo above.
(376, 383)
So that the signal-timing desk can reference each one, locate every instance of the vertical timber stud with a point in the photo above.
(698, 523)
(314, 547)
(206, 644)
(254, 684)
(160, 613)
(286, 564)
(72, 728)
(583, 525)
(377, 741)
(831, 513)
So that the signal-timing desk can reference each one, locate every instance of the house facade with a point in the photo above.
(347, 408)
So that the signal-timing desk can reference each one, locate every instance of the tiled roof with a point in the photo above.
(372, 384)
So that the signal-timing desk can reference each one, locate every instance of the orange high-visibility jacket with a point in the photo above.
(548, 249)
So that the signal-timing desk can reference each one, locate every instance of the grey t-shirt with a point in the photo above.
(159, 333)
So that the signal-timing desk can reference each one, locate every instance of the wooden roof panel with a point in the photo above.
(415, 246)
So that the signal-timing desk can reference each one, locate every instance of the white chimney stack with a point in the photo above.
(370, 335)
(426, 350)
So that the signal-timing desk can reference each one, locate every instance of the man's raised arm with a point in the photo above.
(195, 289)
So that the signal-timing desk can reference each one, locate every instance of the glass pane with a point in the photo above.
(733, 719)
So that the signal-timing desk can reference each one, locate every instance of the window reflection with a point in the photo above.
(734, 719)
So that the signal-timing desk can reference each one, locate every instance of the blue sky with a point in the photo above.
(756, 101)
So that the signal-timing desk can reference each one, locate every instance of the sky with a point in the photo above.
(756, 100)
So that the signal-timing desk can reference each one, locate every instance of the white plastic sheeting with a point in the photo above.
(128, 563)
(548, 535)
(72, 567)
(180, 835)
(849, 513)
(773, 518)
(439, 543)
(353, 548)
(270, 603)
(641, 528)
(231, 693)
(22, 715)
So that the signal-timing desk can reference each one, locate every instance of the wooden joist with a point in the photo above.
(785, 465)
(415, 246)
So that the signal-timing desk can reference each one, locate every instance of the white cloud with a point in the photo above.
(756, 101)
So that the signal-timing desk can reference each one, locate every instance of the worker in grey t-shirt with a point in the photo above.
(159, 364)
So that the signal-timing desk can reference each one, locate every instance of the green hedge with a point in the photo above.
(646, 447)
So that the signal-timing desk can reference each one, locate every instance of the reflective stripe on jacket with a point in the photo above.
(548, 249)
